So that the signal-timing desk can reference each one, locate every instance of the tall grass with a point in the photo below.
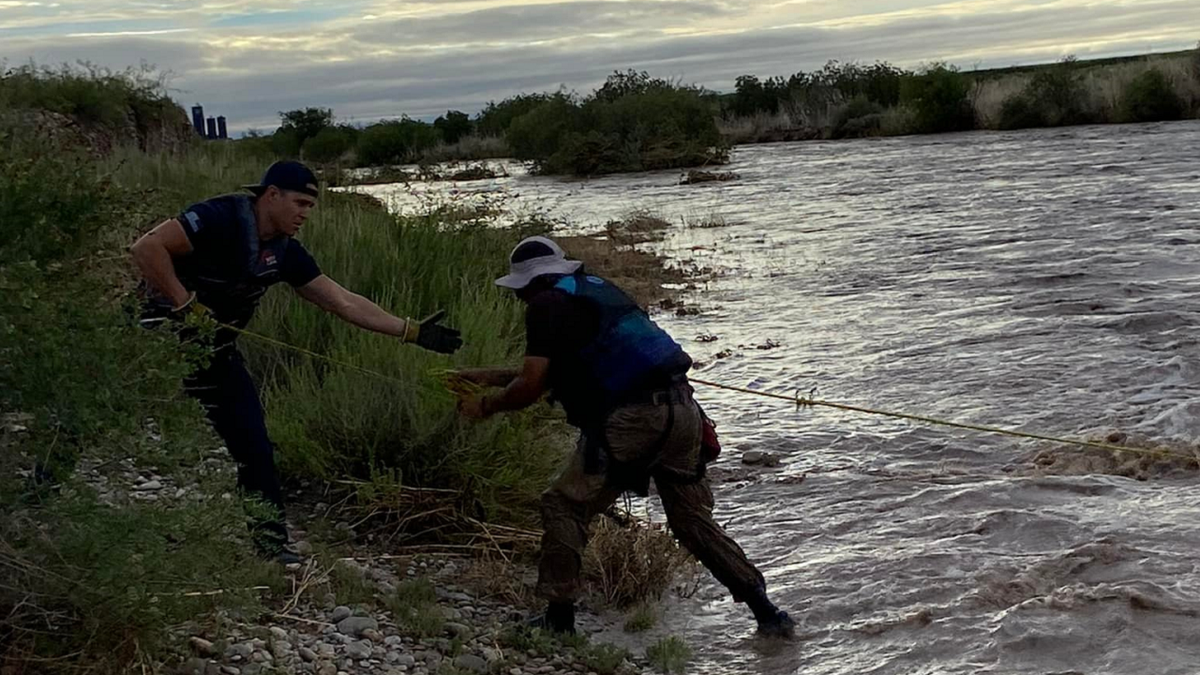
(331, 422)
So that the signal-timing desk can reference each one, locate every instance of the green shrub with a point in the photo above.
(860, 117)
(1055, 96)
(496, 118)
(414, 606)
(939, 100)
(330, 144)
(90, 94)
(669, 655)
(540, 132)
(305, 124)
(632, 123)
(604, 659)
(1020, 112)
(641, 619)
(85, 583)
(453, 126)
(1058, 93)
(395, 142)
(1151, 98)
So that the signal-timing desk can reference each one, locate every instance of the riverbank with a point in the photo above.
(855, 101)
(121, 522)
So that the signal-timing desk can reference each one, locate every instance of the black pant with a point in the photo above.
(231, 402)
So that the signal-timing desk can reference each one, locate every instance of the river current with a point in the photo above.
(1046, 281)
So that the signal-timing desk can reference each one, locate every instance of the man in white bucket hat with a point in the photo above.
(623, 382)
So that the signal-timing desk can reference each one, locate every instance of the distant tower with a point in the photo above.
(222, 132)
(198, 118)
(212, 128)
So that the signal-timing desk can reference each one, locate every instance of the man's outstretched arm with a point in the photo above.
(355, 309)
(521, 392)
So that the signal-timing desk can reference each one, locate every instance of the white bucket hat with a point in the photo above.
(535, 257)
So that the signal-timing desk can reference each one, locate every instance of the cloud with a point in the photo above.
(459, 54)
(547, 21)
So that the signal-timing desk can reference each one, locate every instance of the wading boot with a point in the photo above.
(772, 621)
(559, 618)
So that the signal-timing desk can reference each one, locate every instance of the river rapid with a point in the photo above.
(1046, 281)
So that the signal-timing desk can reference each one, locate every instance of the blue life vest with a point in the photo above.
(629, 355)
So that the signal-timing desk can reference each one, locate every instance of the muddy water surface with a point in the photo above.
(1046, 281)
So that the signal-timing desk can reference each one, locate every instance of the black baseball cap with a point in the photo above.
(287, 175)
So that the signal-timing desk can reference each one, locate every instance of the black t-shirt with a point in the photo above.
(558, 326)
(230, 267)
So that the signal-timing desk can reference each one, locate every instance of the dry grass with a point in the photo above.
(765, 128)
(988, 97)
(498, 579)
(633, 564)
(468, 148)
(639, 227)
(639, 273)
(1103, 88)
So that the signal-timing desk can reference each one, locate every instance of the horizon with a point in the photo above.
(368, 60)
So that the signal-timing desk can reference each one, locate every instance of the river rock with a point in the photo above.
(359, 650)
(491, 654)
(340, 612)
(194, 666)
(458, 630)
(406, 660)
(471, 662)
(307, 654)
(202, 647)
(278, 633)
(355, 625)
(754, 457)
(149, 485)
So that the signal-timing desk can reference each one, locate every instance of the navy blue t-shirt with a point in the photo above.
(230, 268)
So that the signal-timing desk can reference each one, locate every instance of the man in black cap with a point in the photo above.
(219, 257)
(623, 382)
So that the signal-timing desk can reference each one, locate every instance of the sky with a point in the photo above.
(373, 59)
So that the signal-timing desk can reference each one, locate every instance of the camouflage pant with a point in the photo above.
(634, 433)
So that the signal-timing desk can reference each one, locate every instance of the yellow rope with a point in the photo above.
(801, 401)
(315, 355)
(456, 385)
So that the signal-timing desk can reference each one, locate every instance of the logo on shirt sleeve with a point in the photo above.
(193, 220)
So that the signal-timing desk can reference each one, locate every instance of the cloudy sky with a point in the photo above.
(368, 59)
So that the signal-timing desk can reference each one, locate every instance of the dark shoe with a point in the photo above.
(779, 626)
(558, 618)
(288, 557)
(283, 554)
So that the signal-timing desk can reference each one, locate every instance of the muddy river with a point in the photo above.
(1047, 281)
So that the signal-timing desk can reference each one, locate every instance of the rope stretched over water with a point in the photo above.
(797, 400)
(800, 401)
